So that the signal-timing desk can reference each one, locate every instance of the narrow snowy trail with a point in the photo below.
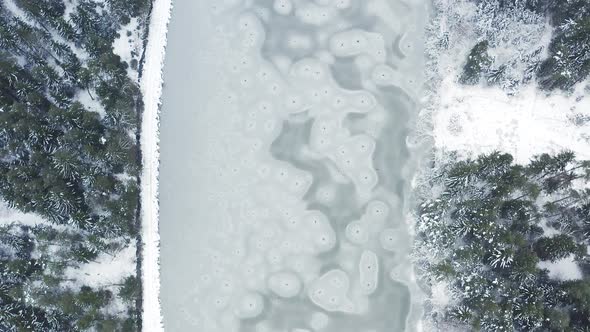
(151, 89)
(284, 171)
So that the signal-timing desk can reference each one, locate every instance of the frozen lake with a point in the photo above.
(285, 171)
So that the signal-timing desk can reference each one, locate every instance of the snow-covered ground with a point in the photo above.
(9, 215)
(518, 118)
(151, 88)
(472, 120)
(563, 269)
(129, 45)
(120, 266)
(514, 118)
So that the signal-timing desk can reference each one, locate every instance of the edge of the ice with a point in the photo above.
(151, 88)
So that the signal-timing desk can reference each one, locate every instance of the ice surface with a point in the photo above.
(369, 272)
(250, 305)
(284, 284)
(274, 204)
(329, 291)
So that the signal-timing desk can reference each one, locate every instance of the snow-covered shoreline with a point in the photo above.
(151, 88)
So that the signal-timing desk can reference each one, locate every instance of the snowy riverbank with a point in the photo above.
(151, 87)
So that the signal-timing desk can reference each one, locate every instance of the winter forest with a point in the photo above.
(69, 113)
(470, 209)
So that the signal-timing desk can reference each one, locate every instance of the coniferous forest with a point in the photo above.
(567, 59)
(489, 227)
(492, 234)
(69, 112)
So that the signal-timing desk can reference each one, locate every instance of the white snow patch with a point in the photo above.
(92, 105)
(474, 119)
(122, 46)
(19, 13)
(117, 306)
(151, 88)
(563, 269)
(106, 270)
(70, 6)
(441, 295)
(548, 231)
(9, 215)
(129, 44)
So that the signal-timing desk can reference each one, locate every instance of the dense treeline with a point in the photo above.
(568, 56)
(57, 159)
(487, 227)
(74, 167)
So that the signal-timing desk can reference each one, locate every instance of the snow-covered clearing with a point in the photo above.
(120, 266)
(129, 44)
(441, 295)
(510, 117)
(107, 271)
(563, 269)
(9, 215)
(151, 88)
(85, 98)
(476, 120)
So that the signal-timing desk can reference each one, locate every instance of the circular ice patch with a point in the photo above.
(283, 7)
(383, 75)
(369, 272)
(250, 305)
(377, 209)
(330, 290)
(363, 145)
(367, 178)
(363, 101)
(389, 239)
(357, 233)
(325, 241)
(294, 103)
(284, 284)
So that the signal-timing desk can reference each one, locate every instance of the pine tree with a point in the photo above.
(557, 247)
